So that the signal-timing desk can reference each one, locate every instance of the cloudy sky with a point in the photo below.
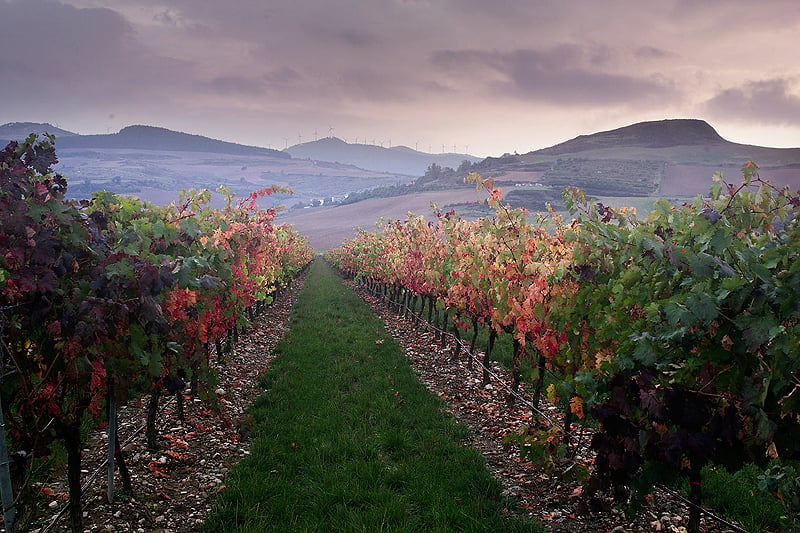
(486, 76)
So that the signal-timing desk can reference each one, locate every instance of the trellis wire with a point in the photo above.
(93, 476)
(678, 496)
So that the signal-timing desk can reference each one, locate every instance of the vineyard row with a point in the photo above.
(677, 334)
(112, 297)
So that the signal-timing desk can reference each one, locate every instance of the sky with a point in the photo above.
(484, 77)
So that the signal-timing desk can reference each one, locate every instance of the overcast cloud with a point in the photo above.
(492, 76)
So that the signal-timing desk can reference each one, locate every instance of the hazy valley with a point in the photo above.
(672, 158)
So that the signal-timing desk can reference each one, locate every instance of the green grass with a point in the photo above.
(737, 497)
(346, 438)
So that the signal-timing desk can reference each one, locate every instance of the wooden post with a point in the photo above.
(112, 435)
(515, 374)
(487, 358)
(6, 489)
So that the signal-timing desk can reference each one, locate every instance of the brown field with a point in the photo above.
(689, 180)
(518, 176)
(328, 227)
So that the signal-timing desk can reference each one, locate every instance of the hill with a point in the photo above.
(17, 131)
(656, 134)
(164, 140)
(671, 158)
(397, 159)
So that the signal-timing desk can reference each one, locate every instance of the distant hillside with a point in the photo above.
(656, 134)
(162, 139)
(397, 159)
(671, 158)
(18, 131)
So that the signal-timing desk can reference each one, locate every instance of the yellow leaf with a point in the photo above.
(576, 406)
(552, 397)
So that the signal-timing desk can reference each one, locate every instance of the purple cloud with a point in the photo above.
(566, 74)
(768, 101)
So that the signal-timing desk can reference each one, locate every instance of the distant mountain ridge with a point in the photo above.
(397, 159)
(394, 160)
(664, 157)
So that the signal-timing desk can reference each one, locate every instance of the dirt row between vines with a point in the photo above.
(558, 504)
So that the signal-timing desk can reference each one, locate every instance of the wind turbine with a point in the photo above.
(315, 134)
(330, 131)
(299, 138)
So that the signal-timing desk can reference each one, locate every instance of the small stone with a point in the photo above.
(53, 504)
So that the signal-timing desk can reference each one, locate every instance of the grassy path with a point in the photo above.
(347, 439)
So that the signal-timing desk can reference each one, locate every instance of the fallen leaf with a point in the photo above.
(157, 469)
(176, 442)
(179, 456)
